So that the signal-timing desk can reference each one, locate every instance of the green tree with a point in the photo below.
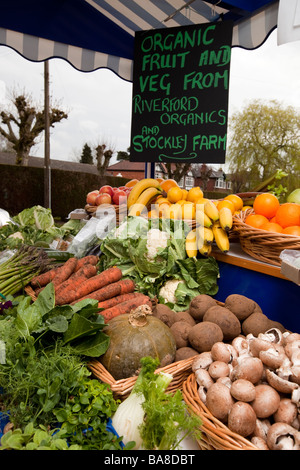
(122, 155)
(24, 123)
(262, 138)
(86, 155)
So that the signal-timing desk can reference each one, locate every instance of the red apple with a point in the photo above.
(122, 187)
(118, 195)
(91, 197)
(103, 198)
(107, 189)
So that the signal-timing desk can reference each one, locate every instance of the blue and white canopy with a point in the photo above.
(93, 34)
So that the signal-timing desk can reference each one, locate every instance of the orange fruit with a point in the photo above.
(174, 194)
(288, 214)
(184, 193)
(256, 220)
(188, 211)
(174, 211)
(162, 200)
(201, 200)
(131, 183)
(244, 208)
(272, 227)
(194, 194)
(236, 200)
(226, 203)
(160, 180)
(168, 184)
(164, 210)
(292, 230)
(266, 204)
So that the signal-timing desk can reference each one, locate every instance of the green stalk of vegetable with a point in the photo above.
(17, 271)
(150, 416)
(130, 413)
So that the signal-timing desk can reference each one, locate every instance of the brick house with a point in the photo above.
(136, 170)
(214, 181)
(210, 179)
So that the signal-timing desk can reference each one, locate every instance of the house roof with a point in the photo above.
(38, 162)
(125, 165)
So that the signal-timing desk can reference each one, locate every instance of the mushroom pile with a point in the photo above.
(252, 385)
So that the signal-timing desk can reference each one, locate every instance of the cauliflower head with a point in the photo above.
(167, 291)
(156, 239)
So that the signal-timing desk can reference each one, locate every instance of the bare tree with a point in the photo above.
(103, 158)
(22, 126)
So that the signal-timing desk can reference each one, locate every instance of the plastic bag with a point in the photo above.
(95, 230)
(291, 257)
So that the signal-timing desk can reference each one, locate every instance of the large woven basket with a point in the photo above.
(122, 388)
(215, 435)
(261, 244)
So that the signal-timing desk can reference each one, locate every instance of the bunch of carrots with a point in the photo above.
(78, 279)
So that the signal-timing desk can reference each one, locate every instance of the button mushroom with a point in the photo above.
(286, 412)
(202, 361)
(282, 436)
(219, 401)
(266, 401)
(243, 390)
(273, 335)
(261, 428)
(204, 381)
(280, 384)
(259, 443)
(241, 419)
(218, 369)
(248, 368)
(273, 357)
(241, 345)
(223, 352)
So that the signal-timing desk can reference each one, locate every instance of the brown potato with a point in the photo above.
(180, 330)
(164, 313)
(240, 305)
(227, 321)
(204, 335)
(199, 305)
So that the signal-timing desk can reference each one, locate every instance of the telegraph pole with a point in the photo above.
(47, 168)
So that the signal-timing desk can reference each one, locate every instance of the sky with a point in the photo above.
(98, 103)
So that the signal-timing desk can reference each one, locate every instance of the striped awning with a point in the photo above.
(93, 34)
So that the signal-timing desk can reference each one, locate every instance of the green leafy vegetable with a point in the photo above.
(152, 262)
(35, 226)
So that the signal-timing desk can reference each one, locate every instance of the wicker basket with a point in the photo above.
(121, 211)
(214, 434)
(260, 244)
(122, 388)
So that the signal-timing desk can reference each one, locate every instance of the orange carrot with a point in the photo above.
(43, 279)
(124, 307)
(64, 271)
(124, 286)
(89, 259)
(118, 299)
(64, 293)
(102, 279)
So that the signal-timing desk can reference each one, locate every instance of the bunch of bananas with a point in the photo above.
(213, 225)
(141, 196)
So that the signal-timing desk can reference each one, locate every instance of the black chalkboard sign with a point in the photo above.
(180, 94)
